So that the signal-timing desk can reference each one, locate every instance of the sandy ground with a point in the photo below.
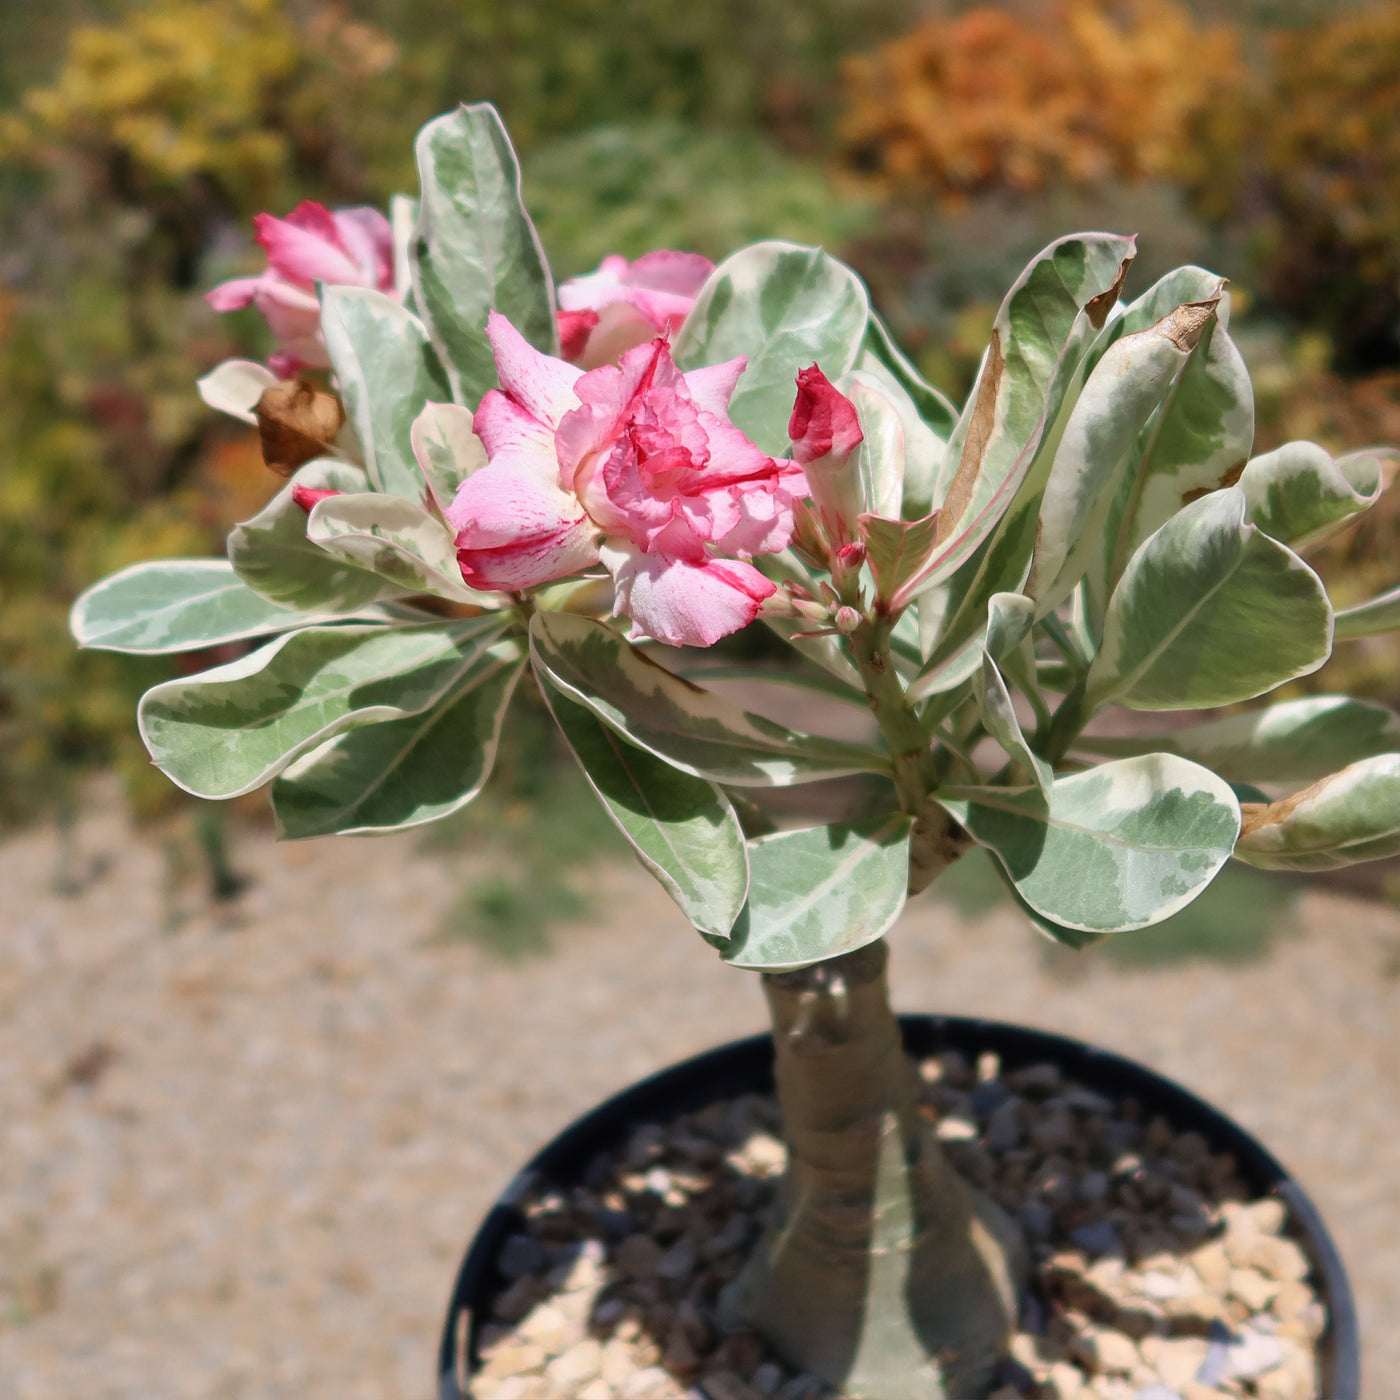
(241, 1158)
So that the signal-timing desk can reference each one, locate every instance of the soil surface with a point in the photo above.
(241, 1151)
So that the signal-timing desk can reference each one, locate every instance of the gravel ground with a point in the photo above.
(241, 1159)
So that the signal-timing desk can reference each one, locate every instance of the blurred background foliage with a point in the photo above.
(936, 146)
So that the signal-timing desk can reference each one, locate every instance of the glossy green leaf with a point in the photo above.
(820, 892)
(272, 555)
(397, 540)
(682, 828)
(405, 772)
(1295, 741)
(386, 370)
(1009, 620)
(690, 728)
(235, 387)
(228, 730)
(1380, 614)
(784, 308)
(174, 605)
(1348, 817)
(447, 448)
(476, 249)
(1118, 847)
(1300, 495)
(1209, 611)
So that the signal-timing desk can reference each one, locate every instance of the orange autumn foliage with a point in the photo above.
(985, 100)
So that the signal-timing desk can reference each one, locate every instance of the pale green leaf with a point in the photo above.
(682, 828)
(880, 457)
(1300, 496)
(447, 448)
(228, 730)
(272, 555)
(1295, 741)
(783, 307)
(476, 250)
(1380, 614)
(1118, 847)
(820, 892)
(1348, 817)
(174, 605)
(690, 728)
(924, 445)
(1209, 611)
(1009, 620)
(386, 371)
(405, 772)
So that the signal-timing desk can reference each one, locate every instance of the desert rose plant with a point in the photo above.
(471, 514)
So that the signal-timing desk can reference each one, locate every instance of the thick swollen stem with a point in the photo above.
(881, 1271)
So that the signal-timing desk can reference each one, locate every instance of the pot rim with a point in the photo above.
(746, 1066)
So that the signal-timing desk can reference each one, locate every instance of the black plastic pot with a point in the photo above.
(746, 1066)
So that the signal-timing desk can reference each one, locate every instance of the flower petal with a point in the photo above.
(296, 253)
(234, 294)
(574, 328)
(366, 236)
(712, 387)
(665, 271)
(539, 383)
(504, 426)
(684, 604)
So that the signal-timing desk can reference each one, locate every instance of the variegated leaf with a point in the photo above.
(1301, 496)
(783, 307)
(819, 892)
(476, 250)
(1348, 817)
(1209, 611)
(1380, 614)
(1118, 847)
(1009, 620)
(682, 828)
(447, 448)
(692, 729)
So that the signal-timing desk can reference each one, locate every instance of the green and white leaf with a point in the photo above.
(923, 448)
(448, 450)
(1348, 817)
(173, 605)
(692, 729)
(272, 555)
(1009, 620)
(1118, 847)
(400, 773)
(1295, 741)
(385, 370)
(397, 540)
(880, 457)
(1209, 611)
(476, 249)
(235, 386)
(403, 221)
(820, 892)
(934, 408)
(1380, 614)
(1301, 496)
(682, 828)
(228, 730)
(784, 307)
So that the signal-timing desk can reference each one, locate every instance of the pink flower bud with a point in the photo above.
(823, 423)
(847, 619)
(308, 496)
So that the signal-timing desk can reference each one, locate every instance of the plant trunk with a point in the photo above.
(881, 1271)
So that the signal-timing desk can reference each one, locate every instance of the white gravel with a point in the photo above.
(307, 1102)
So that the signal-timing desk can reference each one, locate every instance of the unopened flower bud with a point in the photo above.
(825, 435)
(846, 620)
(308, 496)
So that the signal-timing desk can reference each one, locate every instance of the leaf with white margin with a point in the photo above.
(1128, 385)
(447, 448)
(228, 730)
(403, 219)
(476, 249)
(933, 406)
(819, 892)
(1298, 494)
(385, 370)
(1295, 741)
(1348, 817)
(1010, 617)
(1119, 847)
(1380, 614)
(783, 307)
(683, 829)
(173, 605)
(398, 541)
(924, 447)
(692, 729)
(880, 456)
(405, 772)
(1209, 611)
(272, 555)
(235, 387)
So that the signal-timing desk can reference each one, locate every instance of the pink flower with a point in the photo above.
(636, 466)
(625, 304)
(312, 244)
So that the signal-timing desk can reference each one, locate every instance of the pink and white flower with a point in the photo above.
(312, 244)
(635, 466)
(622, 304)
